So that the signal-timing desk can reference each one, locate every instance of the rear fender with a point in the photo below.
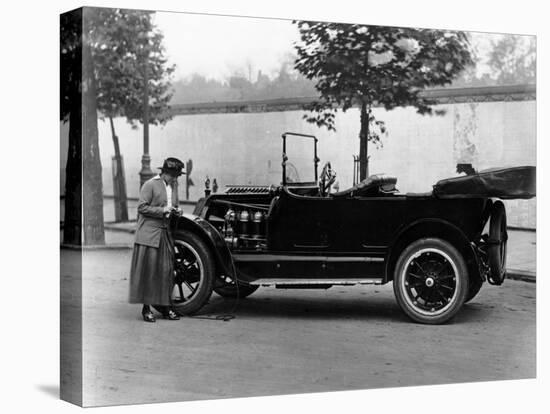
(212, 238)
(432, 228)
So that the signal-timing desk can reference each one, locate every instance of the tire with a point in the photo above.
(430, 281)
(233, 291)
(498, 237)
(473, 288)
(194, 273)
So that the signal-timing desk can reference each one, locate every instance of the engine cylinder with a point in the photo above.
(263, 226)
(257, 220)
(229, 223)
(243, 229)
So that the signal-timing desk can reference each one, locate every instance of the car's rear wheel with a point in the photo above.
(430, 281)
(194, 273)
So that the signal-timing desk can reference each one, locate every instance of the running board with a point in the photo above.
(313, 282)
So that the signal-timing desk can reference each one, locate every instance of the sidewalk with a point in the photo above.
(521, 249)
(521, 261)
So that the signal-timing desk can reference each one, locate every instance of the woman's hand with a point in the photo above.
(169, 210)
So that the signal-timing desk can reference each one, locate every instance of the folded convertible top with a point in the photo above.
(505, 183)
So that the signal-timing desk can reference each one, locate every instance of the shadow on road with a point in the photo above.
(371, 308)
(311, 308)
(471, 312)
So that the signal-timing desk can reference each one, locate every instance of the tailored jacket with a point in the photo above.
(152, 200)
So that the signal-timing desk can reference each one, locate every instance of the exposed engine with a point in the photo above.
(245, 228)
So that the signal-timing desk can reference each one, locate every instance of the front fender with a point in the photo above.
(211, 236)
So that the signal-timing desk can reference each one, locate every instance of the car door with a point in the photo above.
(324, 235)
(302, 223)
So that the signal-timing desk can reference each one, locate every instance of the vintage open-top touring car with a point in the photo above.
(438, 248)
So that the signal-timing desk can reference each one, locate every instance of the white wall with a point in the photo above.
(246, 148)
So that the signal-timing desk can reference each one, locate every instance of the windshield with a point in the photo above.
(300, 165)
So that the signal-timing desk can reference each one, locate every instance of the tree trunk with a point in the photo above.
(363, 142)
(72, 221)
(119, 181)
(92, 184)
(72, 224)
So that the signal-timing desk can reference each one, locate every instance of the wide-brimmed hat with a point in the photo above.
(173, 166)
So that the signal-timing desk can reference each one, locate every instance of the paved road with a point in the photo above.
(293, 341)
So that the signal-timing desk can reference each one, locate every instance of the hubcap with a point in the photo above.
(429, 281)
(188, 276)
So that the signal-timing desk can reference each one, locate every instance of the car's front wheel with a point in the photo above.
(430, 281)
(194, 273)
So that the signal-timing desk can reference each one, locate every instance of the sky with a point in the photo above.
(218, 46)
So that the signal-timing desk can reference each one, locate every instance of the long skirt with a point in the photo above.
(152, 273)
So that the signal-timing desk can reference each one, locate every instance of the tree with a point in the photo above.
(240, 83)
(513, 59)
(83, 192)
(123, 42)
(102, 68)
(285, 83)
(358, 65)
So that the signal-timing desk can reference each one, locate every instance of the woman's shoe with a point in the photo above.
(171, 315)
(148, 316)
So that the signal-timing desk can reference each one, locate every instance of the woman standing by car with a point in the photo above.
(152, 269)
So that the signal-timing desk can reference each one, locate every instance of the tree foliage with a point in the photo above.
(127, 51)
(285, 83)
(500, 59)
(123, 44)
(359, 65)
(513, 59)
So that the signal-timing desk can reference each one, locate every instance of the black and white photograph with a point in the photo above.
(261, 206)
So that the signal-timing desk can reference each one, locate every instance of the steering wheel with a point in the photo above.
(326, 179)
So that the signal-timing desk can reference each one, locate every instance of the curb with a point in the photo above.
(523, 275)
(111, 246)
(119, 229)
(519, 228)
(112, 197)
